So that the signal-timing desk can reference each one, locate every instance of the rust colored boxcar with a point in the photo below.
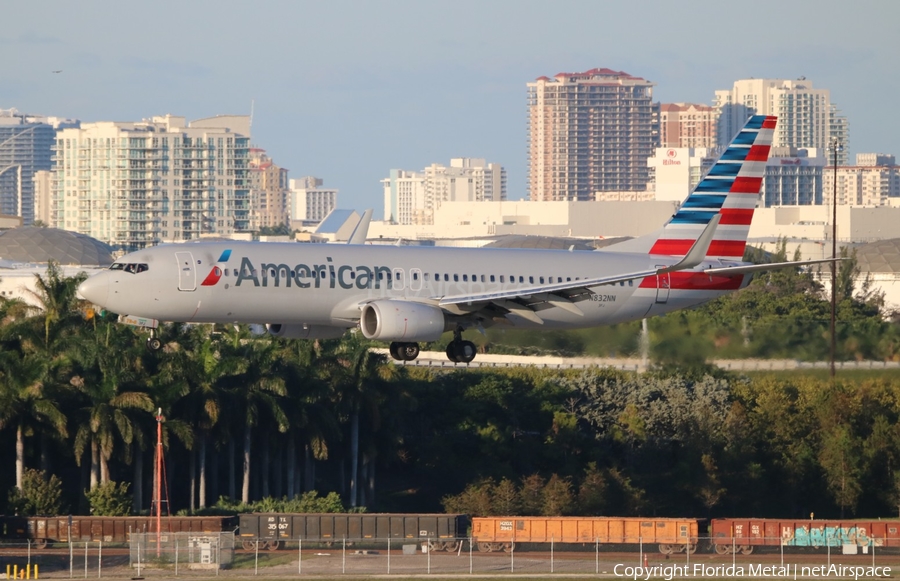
(742, 535)
(501, 533)
(441, 531)
(115, 529)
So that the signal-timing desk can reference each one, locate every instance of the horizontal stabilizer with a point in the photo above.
(743, 269)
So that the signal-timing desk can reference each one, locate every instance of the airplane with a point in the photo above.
(406, 294)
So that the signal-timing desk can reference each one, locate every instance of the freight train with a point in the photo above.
(41, 530)
(448, 532)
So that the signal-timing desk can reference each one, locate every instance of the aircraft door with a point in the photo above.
(187, 273)
(663, 285)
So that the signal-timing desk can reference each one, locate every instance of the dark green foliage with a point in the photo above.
(39, 496)
(109, 499)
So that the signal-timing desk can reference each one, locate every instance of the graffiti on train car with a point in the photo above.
(826, 536)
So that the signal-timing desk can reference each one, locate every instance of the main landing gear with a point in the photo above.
(404, 351)
(460, 351)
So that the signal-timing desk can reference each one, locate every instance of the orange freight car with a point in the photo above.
(501, 533)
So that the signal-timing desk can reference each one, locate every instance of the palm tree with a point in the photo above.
(257, 391)
(25, 403)
(111, 382)
(198, 369)
(360, 389)
(56, 297)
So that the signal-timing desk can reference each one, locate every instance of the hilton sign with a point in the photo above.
(670, 158)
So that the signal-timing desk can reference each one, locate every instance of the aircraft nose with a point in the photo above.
(95, 289)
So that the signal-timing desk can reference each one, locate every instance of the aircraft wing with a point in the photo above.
(524, 301)
(748, 268)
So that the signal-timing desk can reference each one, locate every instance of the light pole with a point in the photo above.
(835, 146)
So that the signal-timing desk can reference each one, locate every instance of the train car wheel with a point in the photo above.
(507, 547)
(484, 547)
(721, 549)
(273, 545)
(39, 543)
(248, 545)
(747, 549)
(691, 548)
(452, 546)
(666, 549)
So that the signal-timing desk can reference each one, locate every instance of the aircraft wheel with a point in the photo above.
(395, 351)
(409, 351)
(154, 344)
(451, 352)
(466, 351)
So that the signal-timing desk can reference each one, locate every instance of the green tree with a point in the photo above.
(38, 496)
(109, 499)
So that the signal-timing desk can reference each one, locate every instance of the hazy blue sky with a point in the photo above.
(347, 90)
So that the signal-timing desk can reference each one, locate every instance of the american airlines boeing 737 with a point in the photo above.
(407, 295)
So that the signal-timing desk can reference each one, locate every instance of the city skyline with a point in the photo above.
(347, 91)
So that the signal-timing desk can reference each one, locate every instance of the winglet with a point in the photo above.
(698, 250)
(362, 229)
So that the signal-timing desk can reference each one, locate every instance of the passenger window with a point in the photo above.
(465, 278)
(559, 279)
(455, 278)
(492, 278)
(630, 283)
(521, 280)
(542, 280)
(415, 275)
(531, 280)
(568, 279)
(482, 278)
(446, 277)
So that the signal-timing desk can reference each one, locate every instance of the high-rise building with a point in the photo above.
(793, 177)
(413, 197)
(43, 191)
(868, 183)
(806, 116)
(269, 190)
(25, 148)
(134, 185)
(590, 132)
(676, 170)
(310, 202)
(687, 125)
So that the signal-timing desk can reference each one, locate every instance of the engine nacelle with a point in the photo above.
(304, 331)
(401, 321)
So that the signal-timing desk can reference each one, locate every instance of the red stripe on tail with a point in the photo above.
(736, 217)
(716, 248)
(770, 121)
(758, 153)
(745, 185)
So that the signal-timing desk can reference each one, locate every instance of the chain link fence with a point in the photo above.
(208, 555)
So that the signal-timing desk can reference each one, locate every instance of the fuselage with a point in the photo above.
(327, 284)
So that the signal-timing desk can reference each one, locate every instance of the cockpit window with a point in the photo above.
(132, 267)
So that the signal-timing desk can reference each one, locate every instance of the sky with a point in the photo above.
(348, 90)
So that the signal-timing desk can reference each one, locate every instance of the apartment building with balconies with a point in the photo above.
(590, 132)
(137, 184)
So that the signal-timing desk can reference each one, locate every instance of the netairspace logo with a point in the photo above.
(669, 572)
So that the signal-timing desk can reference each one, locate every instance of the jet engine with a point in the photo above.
(390, 320)
(304, 331)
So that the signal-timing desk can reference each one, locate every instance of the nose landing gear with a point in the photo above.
(153, 343)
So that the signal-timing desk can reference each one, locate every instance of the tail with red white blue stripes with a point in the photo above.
(730, 189)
